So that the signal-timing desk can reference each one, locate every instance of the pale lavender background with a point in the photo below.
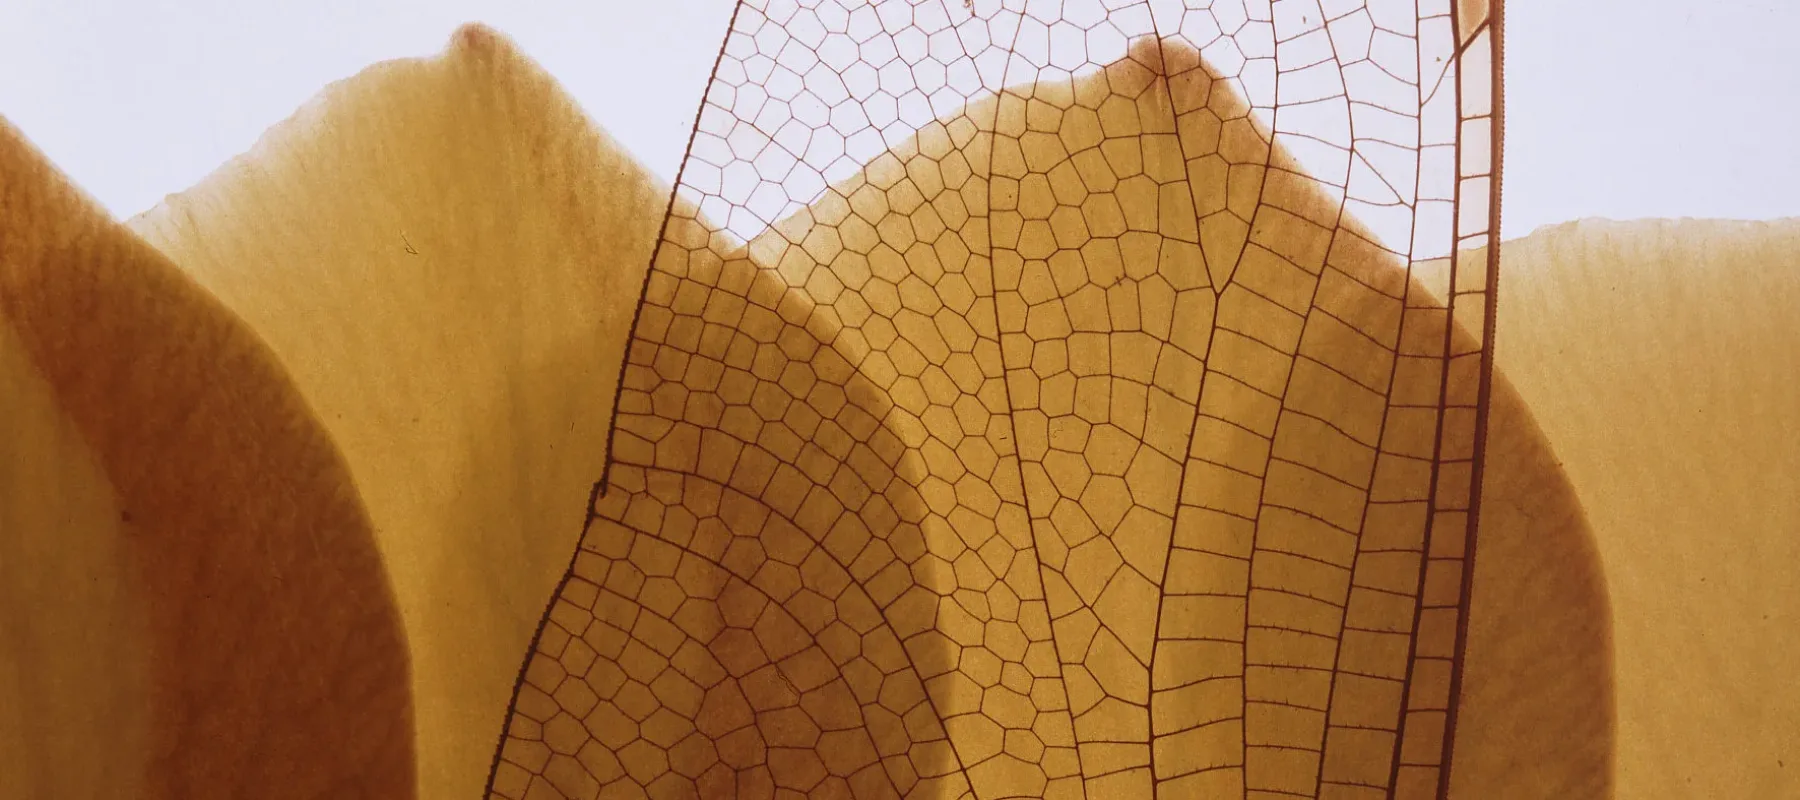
(1616, 108)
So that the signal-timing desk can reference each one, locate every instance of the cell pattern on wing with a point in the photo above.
(1036, 400)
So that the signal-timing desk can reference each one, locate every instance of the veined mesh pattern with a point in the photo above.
(1033, 399)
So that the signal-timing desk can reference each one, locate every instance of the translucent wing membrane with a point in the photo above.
(1038, 399)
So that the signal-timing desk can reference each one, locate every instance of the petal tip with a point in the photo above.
(477, 38)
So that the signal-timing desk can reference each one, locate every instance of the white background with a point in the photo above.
(1616, 108)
